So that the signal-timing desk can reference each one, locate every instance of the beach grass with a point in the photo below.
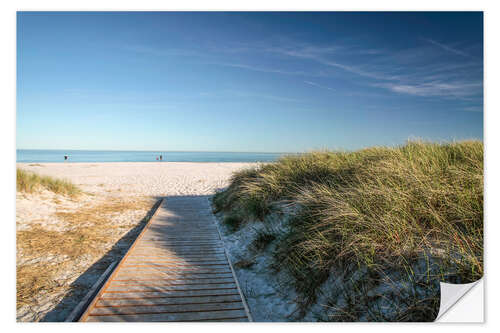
(383, 211)
(89, 231)
(30, 182)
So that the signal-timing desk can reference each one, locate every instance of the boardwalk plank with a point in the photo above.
(186, 316)
(170, 308)
(154, 282)
(147, 261)
(172, 293)
(169, 300)
(215, 257)
(163, 276)
(133, 270)
(169, 287)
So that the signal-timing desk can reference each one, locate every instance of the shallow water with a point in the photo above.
(43, 156)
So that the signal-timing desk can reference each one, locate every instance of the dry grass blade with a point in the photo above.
(30, 182)
(89, 233)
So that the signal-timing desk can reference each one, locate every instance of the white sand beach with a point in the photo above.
(117, 197)
(142, 178)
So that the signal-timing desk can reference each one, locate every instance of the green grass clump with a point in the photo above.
(379, 209)
(262, 240)
(29, 182)
(233, 222)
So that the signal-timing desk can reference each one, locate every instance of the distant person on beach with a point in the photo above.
(65, 157)
(157, 158)
(161, 157)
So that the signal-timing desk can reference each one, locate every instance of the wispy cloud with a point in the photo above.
(159, 52)
(418, 71)
(320, 55)
(429, 89)
(318, 85)
(301, 50)
(417, 77)
(447, 47)
(265, 69)
(473, 109)
(258, 95)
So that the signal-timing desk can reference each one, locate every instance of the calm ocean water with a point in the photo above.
(41, 156)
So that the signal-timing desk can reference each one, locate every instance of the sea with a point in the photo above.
(44, 156)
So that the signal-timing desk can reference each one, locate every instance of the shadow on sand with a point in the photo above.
(80, 287)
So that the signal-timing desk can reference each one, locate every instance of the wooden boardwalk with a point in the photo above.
(176, 270)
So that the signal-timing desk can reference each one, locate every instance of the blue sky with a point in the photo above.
(277, 82)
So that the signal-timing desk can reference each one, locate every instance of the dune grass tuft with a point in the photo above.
(262, 240)
(233, 222)
(90, 229)
(30, 182)
(377, 210)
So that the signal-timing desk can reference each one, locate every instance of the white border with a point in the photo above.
(7, 132)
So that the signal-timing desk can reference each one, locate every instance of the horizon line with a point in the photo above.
(166, 151)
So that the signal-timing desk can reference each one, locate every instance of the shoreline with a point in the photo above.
(133, 162)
